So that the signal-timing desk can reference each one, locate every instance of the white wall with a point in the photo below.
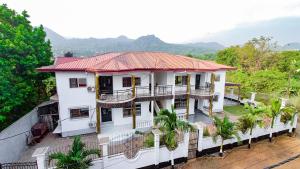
(72, 98)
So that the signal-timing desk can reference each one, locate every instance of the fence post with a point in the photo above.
(40, 155)
(186, 143)
(104, 141)
(156, 133)
(200, 138)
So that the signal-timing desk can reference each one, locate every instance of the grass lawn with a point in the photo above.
(237, 110)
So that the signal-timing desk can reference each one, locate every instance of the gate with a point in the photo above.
(193, 145)
(21, 165)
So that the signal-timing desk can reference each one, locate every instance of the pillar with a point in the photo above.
(200, 137)
(40, 155)
(133, 102)
(212, 92)
(188, 92)
(98, 130)
(157, 134)
(103, 142)
(186, 144)
(152, 102)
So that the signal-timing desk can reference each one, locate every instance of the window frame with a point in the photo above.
(181, 80)
(77, 83)
(217, 77)
(81, 115)
(181, 105)
(129, 84)
(138, 108)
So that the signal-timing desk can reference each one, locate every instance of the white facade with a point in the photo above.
(80, 97)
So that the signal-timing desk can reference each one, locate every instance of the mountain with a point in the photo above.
(92, 46)
(283, 30)
(291, 46)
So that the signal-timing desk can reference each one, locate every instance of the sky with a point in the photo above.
(173, 21)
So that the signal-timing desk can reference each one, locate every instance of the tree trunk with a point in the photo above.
(221, 149)
(250, 138)
(172, 159)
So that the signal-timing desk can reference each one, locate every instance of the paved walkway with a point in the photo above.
(262, 154)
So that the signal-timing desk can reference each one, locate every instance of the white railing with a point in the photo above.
(143, 124)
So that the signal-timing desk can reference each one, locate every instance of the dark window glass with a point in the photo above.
(127, 81)
(180, 103)
(82, 82)
(80, 112)
(181, 80)
(216, 98)
(217, 77)
(127, 111)
(73, 82)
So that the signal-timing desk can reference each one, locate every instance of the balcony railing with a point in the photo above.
(117, 96)
(163, 90)
(145, 91)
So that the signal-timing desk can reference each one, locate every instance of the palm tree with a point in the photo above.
(288, 115)
(170, 125)
(250, 120)
(274, 111)
(224, 129)
(76, 158)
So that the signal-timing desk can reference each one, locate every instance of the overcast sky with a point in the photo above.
(171, 20)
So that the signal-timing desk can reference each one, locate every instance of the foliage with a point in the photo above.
(225, 129)
(288, 114)
(170, 125)
(23, 48)
(274, 109)
(149, 141)
(295, 101)
(50, 84)
(262, 68)
(235, 110)
(76, 158)
(206, 132)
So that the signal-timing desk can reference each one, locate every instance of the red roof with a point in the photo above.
(133, 61)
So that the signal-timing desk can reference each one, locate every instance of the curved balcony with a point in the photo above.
(116, 96)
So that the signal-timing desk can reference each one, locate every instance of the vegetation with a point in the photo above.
(225, 130)
(149, 141)
(236, 110)
(206, 132)
(170, 125)
(23, 48)
(253, 117)
(274, 111)
(288, 114)
(262, 68)
(76, 158)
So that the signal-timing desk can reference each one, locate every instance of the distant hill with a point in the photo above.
(92, 46)
(291, 46)
(283, 30)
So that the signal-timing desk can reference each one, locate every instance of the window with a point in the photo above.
(216, 98)
(77, 82)
(181, 80)
(180, 103)
(127, 111)
(217, 77)
(127, 81)
(79, 112)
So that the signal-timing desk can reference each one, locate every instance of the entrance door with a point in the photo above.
(196, 104)
(106, 115)
(106, 84)
(198, 78)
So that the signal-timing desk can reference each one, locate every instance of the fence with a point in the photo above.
(24, 165)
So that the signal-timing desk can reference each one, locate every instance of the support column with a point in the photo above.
(152, 102)
(133, 102)
(40, 155)
(186, 144)
(188, 92)
(200, 137)
(98, 130)
(252, 99)
(103, 142)
(173, 89)
(157, 134)
(212, 92)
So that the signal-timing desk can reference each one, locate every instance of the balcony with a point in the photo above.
(122, 96)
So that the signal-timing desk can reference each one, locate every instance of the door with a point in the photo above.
(106, 84)
(196, 104)
(106, 115)
(198, 78)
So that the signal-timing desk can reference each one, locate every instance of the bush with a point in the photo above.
(206, 132)
(149, 141)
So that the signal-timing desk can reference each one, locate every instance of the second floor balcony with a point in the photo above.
(119, 96)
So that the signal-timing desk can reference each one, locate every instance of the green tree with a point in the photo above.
(274, 111)
(23, 48)
(252, 118)
(225, 130)
(170, 125)
(76, 158)
(228, 56)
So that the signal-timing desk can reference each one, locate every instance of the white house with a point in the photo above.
(114, 92)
